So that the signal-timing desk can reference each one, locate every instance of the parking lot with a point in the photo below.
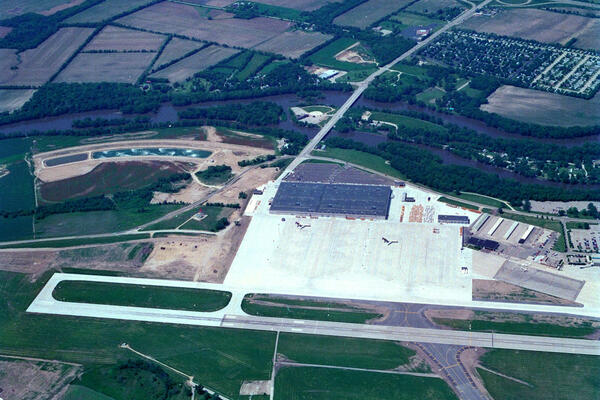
(586, 240)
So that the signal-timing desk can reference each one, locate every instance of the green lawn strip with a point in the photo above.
(361, 158)
(556, 226)
(356, 316)
(210, 222)
(579, 225)
(518, 328)
(76, 242)
(311, 383)
(299, 302)
(218, 358)
(481, 200)
(551, 375)
(458, 203)
(317, 161)
(343, 352)
(171, 234)
(402, 120)
(174, 222)
(129, 295)
(326, 56)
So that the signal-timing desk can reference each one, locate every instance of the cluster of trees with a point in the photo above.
(590, 211)
(170, 387)
(215, 172)
(257, 113)
(423, 167)
(215, 84)
(221, 224)
(257, 160)
(226, 205)
(65, 98)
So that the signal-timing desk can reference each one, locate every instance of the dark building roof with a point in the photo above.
(484, 243)
(337, 199)
(454, 219)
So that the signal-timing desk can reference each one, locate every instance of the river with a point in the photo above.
(168, 113)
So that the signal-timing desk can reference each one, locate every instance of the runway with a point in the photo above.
(234, 318)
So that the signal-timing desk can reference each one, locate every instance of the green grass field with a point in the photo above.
(118, 294)
(253, 65)
(430, 94)
(78, 392)
(482, 200)
(326, 56)
(550, 375)
(306, 309)
(458, 203)
(77, 242)
(579, 225)
(307, 383)
(219, 358)
(518, 328)
(419, 72)
(360, 158)
(408, 122)
(356, 76)
(174, 222)
(344, 352)
(98, 222)
(208, 223)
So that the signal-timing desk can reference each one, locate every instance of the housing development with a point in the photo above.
(299, 199)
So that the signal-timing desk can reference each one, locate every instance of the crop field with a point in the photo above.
(302, 5)
(311, 383)
(119, 39)
(106, 10)
(543, 108)
(199, 61)
(127, 295)
(562, 375)
(533, 24)
(37, 65)
(222, 27)
(13, 99)
(109, 177)
(17, 7)
(370, 12)
(219, 358)
(252, 66)
(293, 44)
(106, 67)
(432, 6)
(175, 49)
(410, 19)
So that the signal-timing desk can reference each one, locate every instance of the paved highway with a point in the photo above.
(362, 86)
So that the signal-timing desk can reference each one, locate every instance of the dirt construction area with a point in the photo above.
(204, 259)
(222, 153)
(30, 379)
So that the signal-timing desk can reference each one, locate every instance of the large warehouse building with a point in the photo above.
(346, 200)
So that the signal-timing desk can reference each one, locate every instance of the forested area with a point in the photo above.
(65, 98)
(421, 166)
(257, 113)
